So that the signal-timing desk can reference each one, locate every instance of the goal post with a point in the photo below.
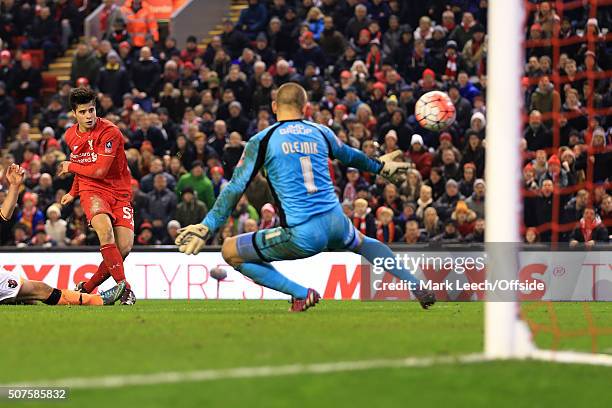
(506, 334)
(503, 172)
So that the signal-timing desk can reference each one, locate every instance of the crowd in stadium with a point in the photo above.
(187, 113)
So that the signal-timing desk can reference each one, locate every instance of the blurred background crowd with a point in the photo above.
(186, 114)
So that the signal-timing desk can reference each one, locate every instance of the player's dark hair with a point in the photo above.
(291, 94)
(81, 96)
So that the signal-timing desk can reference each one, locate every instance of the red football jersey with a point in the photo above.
(105, 139)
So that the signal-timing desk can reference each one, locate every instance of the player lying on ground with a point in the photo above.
(102, 180)
(294, 153)
(13, 289)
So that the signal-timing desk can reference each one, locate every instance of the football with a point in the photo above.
(435, 111)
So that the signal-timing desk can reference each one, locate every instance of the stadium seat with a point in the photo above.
(21, 113)
(17, 40)
(49, 84)
(38, 56)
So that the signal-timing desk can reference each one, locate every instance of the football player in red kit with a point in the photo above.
(102, 180)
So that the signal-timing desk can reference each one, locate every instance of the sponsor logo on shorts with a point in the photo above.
(12, 283)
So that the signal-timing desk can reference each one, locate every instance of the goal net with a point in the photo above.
(548, 179)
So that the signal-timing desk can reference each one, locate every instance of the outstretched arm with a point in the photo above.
(245, 171)
(14, 175)
(192, 238)
(386, 166)
(348, 155)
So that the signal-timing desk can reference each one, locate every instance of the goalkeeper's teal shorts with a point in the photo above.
(331, 231)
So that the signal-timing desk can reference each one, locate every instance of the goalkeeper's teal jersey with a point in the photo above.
(294, 156)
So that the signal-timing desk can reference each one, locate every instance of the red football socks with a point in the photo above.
(98, 278)
(114, 262)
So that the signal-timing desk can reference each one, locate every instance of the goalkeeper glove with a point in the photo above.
(192, 238)
(390, 166)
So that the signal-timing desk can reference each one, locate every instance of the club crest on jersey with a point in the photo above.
(90, 144)
(241, 159)
(108, 147)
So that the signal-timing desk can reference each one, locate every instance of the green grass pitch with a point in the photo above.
(49, 343)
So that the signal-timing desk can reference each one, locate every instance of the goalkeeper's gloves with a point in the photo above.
(192, 238)
(390, 166)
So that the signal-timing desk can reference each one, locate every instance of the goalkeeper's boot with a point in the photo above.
(128, 298)
(80, 287)
(426, 298)
(301, 305)
(109, 297)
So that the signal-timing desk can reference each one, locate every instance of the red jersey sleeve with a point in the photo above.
(110, 142)
(107, 148)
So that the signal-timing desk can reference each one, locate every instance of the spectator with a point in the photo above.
(145, 236)
(537, 135)
(448, 201)
(218, 181)
(190, 210)
(432, 226)
(386, 230)
(55, 227)
(253, 19)
(269, 219)
(197, 180)
(477, 235)
(589, 230)
(7, 106)
(475, 51)
(413, 234)
(450, 234)
(141, 22)
(30, 215)
(43, 34)
(544, 206)
(85, 65)
(172, 232)
(331, 41)
(475, 201)
(250, 225)
(464, 219)
(573, 210)
(113, 79)
(156, 167)
(26, 82)
(545, 99)
(41, 239)
(21, 236)
(309, 52)
(162, 205)
(601, 156)
(464, 31)
(357, 23)
(145, 74)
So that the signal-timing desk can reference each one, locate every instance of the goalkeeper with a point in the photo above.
(294, 155)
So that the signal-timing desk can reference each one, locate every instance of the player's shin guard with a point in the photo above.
(114, 262)
(70, 297)
(98, 278)
(266, 275)
(372, 249)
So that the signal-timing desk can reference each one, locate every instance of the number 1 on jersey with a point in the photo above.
(308, 174)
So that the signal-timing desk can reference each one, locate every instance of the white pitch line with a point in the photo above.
(117, 381)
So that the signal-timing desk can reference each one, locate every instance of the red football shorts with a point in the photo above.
(120, 211)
